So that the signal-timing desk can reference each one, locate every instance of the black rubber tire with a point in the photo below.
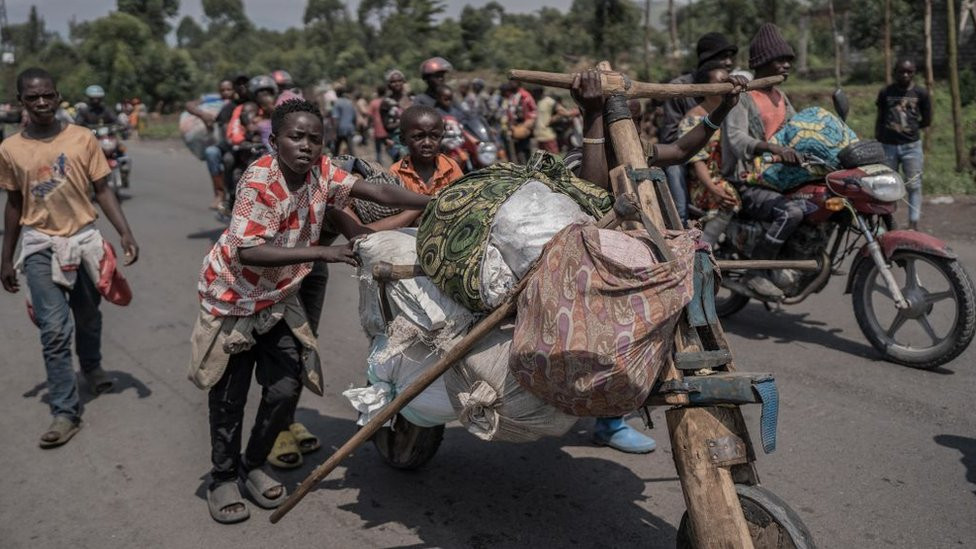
(956, 341)
(861, 153)
(772, 523)
(408, 446)
(728, 306)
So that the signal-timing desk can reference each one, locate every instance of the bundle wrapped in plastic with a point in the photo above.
(422, 310)
(508, 211)
(491, 403)
(389, 371)
(196, 135)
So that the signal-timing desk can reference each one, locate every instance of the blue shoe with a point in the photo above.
(615, 433)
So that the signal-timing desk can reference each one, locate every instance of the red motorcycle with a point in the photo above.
(469, 143)
(912, 298)
(115, 154)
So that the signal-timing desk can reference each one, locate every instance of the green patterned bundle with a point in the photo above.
(456, 226)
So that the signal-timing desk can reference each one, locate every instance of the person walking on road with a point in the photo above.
(49, 171)
(904, 110)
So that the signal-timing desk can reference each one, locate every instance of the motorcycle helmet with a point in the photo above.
(283, 79)
(95, 91)
(262, 82)
(435, 65)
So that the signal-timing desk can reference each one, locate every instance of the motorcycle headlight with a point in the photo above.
(886, 187)
(107, 145)
(487, 154)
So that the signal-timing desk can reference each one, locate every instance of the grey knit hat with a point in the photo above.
(768, 45)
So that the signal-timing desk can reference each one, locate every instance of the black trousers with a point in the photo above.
(275, 360)
(784, 214)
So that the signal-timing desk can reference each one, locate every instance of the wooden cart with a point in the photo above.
(713, 453)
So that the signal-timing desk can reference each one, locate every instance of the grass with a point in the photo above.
(161, 127)
(940, 160)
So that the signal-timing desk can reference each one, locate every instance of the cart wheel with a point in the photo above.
(772, 523)
(408, 446)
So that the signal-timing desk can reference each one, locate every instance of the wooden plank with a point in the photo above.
(616, 83)
(714, 512)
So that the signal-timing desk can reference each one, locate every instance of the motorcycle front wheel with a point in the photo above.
(940, 320)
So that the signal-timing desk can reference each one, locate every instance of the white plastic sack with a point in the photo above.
(389, 374)
(417, 299)
(195, 135)
(523, 225)
(528, 220)
(492, 404)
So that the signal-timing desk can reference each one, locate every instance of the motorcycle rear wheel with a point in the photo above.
(926, 306)
(407, 446)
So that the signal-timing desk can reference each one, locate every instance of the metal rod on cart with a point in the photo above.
(386, 414)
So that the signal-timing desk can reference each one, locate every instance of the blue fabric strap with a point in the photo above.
(766, 389)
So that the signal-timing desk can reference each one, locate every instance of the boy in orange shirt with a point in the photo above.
(425, 170)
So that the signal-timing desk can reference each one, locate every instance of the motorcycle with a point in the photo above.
(240, 157)
(912, 298)
(470, 142)
(108, 139)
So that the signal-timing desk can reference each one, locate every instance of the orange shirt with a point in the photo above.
(447, 172)
(772, 109)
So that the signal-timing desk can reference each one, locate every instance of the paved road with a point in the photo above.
(870, 454)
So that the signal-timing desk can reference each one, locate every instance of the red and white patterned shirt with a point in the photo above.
(266, 212)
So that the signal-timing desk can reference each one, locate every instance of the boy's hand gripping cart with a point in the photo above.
(712, 450)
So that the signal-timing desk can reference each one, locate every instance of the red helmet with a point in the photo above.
(283, 79)
(435, 65)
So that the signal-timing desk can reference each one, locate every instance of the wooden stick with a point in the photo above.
(614, 82)
(429, 376)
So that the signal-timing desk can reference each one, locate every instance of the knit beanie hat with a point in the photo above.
(712, 45)
(767, 45)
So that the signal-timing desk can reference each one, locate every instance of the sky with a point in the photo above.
(272, 14)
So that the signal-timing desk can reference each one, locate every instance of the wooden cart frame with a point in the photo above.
(713, 453)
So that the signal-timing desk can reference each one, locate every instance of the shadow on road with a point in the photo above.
(756, 323)
(491, 494)
(123, 381)
(965, 445)
(210, 234)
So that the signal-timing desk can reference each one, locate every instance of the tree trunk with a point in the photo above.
(953, 51)
(803, 45)
(673, 28)
(887, 41)
(647, 39)
(837, 41)
(929, 70)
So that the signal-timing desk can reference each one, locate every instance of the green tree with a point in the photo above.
(154, 13)
(223, 13)
(189, 34)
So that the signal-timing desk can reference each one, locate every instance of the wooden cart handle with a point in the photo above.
(614, 82)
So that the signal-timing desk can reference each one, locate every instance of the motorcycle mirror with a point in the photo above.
(841, 105)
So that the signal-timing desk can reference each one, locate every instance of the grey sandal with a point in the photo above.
(98, 381)
(60, 432)
(258, 482)
(222, 501)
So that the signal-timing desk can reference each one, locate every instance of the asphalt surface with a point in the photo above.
(870, 454)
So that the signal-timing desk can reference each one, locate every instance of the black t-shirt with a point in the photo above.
(902, 113)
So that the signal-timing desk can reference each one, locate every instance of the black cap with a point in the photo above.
(713, 45)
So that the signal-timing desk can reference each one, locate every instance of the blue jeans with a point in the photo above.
(911, 159)
(54, 307)
(215, 160)
(679, 189)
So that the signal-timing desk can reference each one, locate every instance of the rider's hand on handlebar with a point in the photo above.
(587, 91)
(738, 86)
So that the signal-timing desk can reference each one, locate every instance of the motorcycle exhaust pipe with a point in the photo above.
(764, 264)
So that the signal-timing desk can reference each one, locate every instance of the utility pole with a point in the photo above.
(887, 41)
(647, 39)
(929, 71)
(953, 51)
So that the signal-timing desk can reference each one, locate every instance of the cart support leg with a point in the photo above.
(705, 443)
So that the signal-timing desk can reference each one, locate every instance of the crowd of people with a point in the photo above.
(286, 176)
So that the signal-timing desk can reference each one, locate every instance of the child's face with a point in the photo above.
(445, 97)
(299, 141)
(424, 138)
